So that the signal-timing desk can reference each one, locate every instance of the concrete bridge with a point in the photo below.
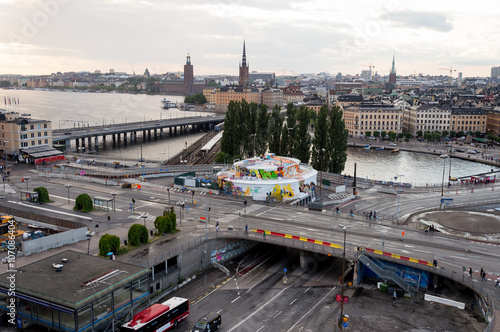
(88, 137)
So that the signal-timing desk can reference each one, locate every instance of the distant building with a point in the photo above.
(469, 119)
(348, 100)
(495, 72)
(371, 117)
(267, 78)
(315, 105)
(185, 86)
(292, 94)
(244, 79)
(235, 93)
(271, 97)
(27, 139)
(427, 117)
(366, 75)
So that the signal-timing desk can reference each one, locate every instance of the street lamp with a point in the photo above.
(5, 152)
(68, 185)
(321, 171)
(114, 193)
(26, 178)
(205, 185)
(442, 183)
(88, 234)
(344, 228)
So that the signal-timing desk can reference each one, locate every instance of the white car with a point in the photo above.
(392, 144)
(471, 151)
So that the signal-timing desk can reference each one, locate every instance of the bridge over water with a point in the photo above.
(88, 137)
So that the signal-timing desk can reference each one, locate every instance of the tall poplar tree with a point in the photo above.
(261, 137)
(227, 144)
(320, 140)
(275, 127)
(288, 131)
(336, 151)
(302, 139)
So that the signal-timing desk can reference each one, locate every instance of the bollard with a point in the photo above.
(457, 191)
(472, 190)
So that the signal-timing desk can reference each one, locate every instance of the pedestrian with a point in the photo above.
(481, 273)
(472, 304)
(435, 262)
(498, 281)
(338, 210)
(371, 213)
(246, 229)
(394, 295)
(483, 276)
(217, 228)
(470, 272)
(109, 219)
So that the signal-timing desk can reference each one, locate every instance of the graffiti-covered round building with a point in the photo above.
(269, 175)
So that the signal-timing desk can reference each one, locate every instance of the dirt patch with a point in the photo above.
(372, 310)
(464, 221)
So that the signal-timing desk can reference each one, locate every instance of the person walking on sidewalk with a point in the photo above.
(109, 219)
(394, 295)
(498, 281)
(470, 272)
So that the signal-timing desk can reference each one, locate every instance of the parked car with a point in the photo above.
(471, 151)
(461, 138)
(372, 138)
(392, 144)
(459, 150)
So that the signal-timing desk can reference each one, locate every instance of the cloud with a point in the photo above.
(417, 20)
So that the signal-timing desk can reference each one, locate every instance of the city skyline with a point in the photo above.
(286, 37)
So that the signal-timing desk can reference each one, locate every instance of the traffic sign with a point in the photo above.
(338, 298)
(345, 318)
(345, 325)
(285, 269)
(346, 299)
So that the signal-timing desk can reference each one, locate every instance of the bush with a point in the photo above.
(43, 195)
(166, 223)
(109, 243)
(137, 234)
(84, 203)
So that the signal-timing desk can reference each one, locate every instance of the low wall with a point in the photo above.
(52, 241)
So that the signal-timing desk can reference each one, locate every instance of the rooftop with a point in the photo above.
(82, 279)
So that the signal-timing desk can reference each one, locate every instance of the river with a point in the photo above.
(69, 109)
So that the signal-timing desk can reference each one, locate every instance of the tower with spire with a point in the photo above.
(188, 76)
(244, 69)
(392, 75)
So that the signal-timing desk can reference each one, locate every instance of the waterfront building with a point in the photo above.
(27, 139)
(427, 117)
(244, 79)
(493, 122)
(468, 119)
(372, 117)
(235, 93)
(315, 105)
(183, 86)
(209, 93)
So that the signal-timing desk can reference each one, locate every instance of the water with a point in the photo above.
(68, 109)
(77, 109)
(416, 168)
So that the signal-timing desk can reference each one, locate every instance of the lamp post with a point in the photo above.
(5, 152)
(344, 228)
(68, 185)
(114, 193)
(88, 235)
(321, 170)
(26, 178)
(206, 209)
(442, 183)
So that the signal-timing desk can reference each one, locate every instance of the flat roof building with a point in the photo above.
(71, 291)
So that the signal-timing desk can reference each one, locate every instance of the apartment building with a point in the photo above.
(427, 117)
(235, 93)
(372, 117)
(470, 119)
(271, 97)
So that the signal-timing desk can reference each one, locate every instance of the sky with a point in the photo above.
(286, 37)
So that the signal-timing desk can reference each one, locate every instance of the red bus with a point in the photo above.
(159, 317)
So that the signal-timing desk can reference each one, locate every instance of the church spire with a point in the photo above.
(244, 58)
(393, 69)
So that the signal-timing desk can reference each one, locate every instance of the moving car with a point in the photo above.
(209, 322)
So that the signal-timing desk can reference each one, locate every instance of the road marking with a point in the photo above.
(277, 314)
(426, 252)
(293, 302)
(405, 251)
(307, 289)
(264, 277)
(258, 215)
(236, 299)
(54, 211)
(458, 257)
(250, 289)
(260, 328)
(312, 309)
(256, 311)
(219, 311)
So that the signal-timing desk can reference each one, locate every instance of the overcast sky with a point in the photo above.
(285, 36)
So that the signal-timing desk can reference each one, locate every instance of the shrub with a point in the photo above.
(166, 223)
(109, 243)
(84, 203)
(43, 195)
(137, 234)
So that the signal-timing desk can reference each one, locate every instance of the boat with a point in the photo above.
(368, 147)
(380, 149)
(444, 156)
(166, 104)
(395, 151)
(453, 179)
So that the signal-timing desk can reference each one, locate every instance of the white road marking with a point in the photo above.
(307, 289)
(260, 328)
(426, 252)
(219, 311)
(312, 309)
(236, 299)
(54, 211)
(256, 311)
(264, 277)
(277, 314)
(293, 302)
(250, 289)
(458, 257)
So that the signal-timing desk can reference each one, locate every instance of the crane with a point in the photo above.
(451, 71)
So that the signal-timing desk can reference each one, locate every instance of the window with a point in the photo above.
(46, 141)
(44, 133)
(38, 126)
(32, 135)
(39, 142)
(32, 127)
(39, 134)
(45, 126)
(32, 142)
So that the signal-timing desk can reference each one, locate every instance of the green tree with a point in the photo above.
(137, 234)
(337, 142)
(460, 133)
(445, 133)
(227, 141)
(419, 133)
(212, 84)
(43, 195)
(302, 144)
(198, 98)
(407, 135)
(108, 243)
(376, 134)
(436, 135)
(368, 133)
(288, 131)
(383, 134)
(275, 127)
(223, 157)
(83, 202)
(261, 137)
(427, 136)
(244, 129)
(320, 139)
(453, 133)
(401, 135)
(477, 134)
(392, 135)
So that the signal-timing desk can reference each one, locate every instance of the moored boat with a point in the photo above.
(395, 151)
(368, 147)
(166, 104)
